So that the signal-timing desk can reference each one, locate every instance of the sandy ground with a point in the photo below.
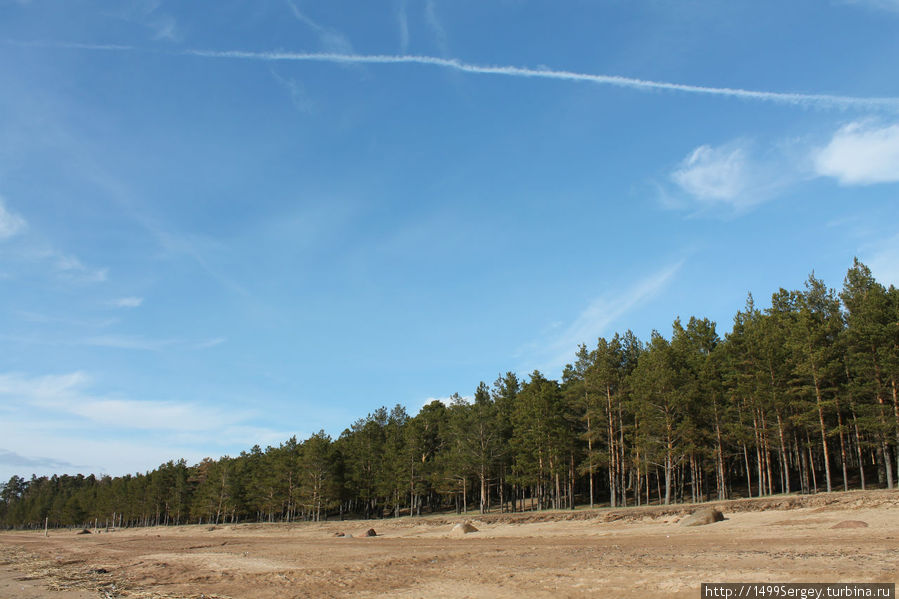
(635, 552)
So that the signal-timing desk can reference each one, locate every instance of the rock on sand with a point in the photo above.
(463, 528)
(850, 524)
(702, 517)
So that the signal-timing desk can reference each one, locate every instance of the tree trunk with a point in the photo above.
(811, 459)
(820, 402)
(887, 458)
(590, 457)
(612, 451)
(858, 442)
(719, 458)
(748, 470)
(622, 488)
(758, 452)
(483, 476)
(896, 413)
(464, 495)
(842, 446)
(783, 454)
(767, 452)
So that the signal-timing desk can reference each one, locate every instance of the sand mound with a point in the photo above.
(702, 517)
(850, 524)
(463, 528)
(370, 533)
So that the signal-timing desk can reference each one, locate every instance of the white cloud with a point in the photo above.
(127, 302)
(715, 175)
(735, 177)
(61, 417)
(67, 393)
(861, 154)
(10, 224)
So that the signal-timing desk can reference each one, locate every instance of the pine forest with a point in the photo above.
(799, 396)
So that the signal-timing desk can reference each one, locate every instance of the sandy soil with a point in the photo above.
(601, 553)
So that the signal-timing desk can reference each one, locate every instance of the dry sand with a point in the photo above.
(601, 553)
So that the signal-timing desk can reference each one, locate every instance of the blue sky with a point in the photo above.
(225, 223)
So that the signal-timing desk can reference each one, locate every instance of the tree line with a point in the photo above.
(801, 396)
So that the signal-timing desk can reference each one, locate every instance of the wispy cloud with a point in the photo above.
(10, 223)
(330, 39)
(28, 250)
(20, 462)
(559, 348)
(40, 388)
(73, 45)
(199, 248)
(737, 177)
(216, 341)
(887, 5)
(883, 258)
(130, 342)
(828, 101)
(61, 414)
(71, 268)
(61, 265)
(109, 341)
(127, 302)
(714, 174)
(734, 177)
(861, 153)
(41, 318)
(402, 21)
(164, 27)
(436, 26)
(161, 25)
(298, 96)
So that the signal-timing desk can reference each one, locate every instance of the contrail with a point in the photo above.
(73, 46)
(806, 99)
(827, 100)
